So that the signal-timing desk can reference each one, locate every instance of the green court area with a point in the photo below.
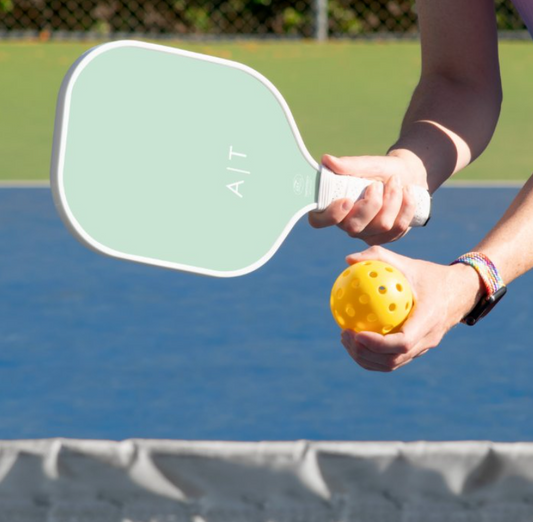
(347, 98)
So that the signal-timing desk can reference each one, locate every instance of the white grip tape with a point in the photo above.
(333, 186)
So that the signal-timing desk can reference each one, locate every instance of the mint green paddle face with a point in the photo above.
(179, 160)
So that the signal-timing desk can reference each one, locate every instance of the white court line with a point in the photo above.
(17, 183)
(497, 183)
(449, 184)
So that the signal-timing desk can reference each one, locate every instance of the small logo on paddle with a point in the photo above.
(298, 185)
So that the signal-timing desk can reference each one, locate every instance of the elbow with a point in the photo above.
(478, 96)
(484, 87)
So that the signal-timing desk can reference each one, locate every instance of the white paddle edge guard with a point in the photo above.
(58, 160)
(334, 186)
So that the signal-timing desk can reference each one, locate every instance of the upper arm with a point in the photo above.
(460, 41)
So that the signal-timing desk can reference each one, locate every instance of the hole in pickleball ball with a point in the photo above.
(388, 269)
(392, 307)
(386, 329)
(340, 293)
(340, 319)
(350, 312)
(346, 273)
(367, 263)
(371, 318)
(364, 299)
(355, 283)
(382, 290)
(399, 287)
(373, 274)
(407, 306)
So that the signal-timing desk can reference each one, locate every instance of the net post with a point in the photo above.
(321, 20)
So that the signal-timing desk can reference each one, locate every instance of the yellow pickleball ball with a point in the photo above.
(371, 296)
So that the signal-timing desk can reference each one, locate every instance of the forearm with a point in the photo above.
(510, 243)
(447, 125)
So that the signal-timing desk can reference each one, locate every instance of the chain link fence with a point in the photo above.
(219, 18)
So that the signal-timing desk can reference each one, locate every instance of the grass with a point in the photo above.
(348, 98)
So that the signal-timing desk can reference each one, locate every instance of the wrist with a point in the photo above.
(493, 287)
(469, 287)
(416, 173)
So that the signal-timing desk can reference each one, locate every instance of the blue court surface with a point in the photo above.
(93, 347)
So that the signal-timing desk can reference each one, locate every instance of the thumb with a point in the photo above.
(375, 253)
(372, 167)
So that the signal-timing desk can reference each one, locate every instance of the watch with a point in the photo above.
(492, 281)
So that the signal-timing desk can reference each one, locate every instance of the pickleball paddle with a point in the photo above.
(185, 161)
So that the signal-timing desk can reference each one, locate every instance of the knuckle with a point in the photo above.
(394, 192)
(318, 220)
(397, 233)
(409, 204)
(398, 360)
(433, 341)
(375, 250)
(383, 225)
(389, 366)
(403, 225)
(373, 204)
(404, 347)
(352, 229)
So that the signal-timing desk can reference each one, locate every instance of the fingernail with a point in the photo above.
(347, 205)
(351, 259)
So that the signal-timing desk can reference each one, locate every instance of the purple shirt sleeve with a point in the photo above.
(525, 8)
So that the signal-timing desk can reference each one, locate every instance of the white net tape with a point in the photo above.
(173, 481)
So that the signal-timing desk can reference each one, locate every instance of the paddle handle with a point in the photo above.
(333, 186)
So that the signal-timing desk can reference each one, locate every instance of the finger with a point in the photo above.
(415, 329)
(402, 223)
(413, 338)
(407, 211)
(334, 214)
(364, 363)
(372, 367)
(379, 344)
(405, 215)
(364, 210)
(376, 253)
(423, 352)
(384, 360)
(397, 343)
(392, 203)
